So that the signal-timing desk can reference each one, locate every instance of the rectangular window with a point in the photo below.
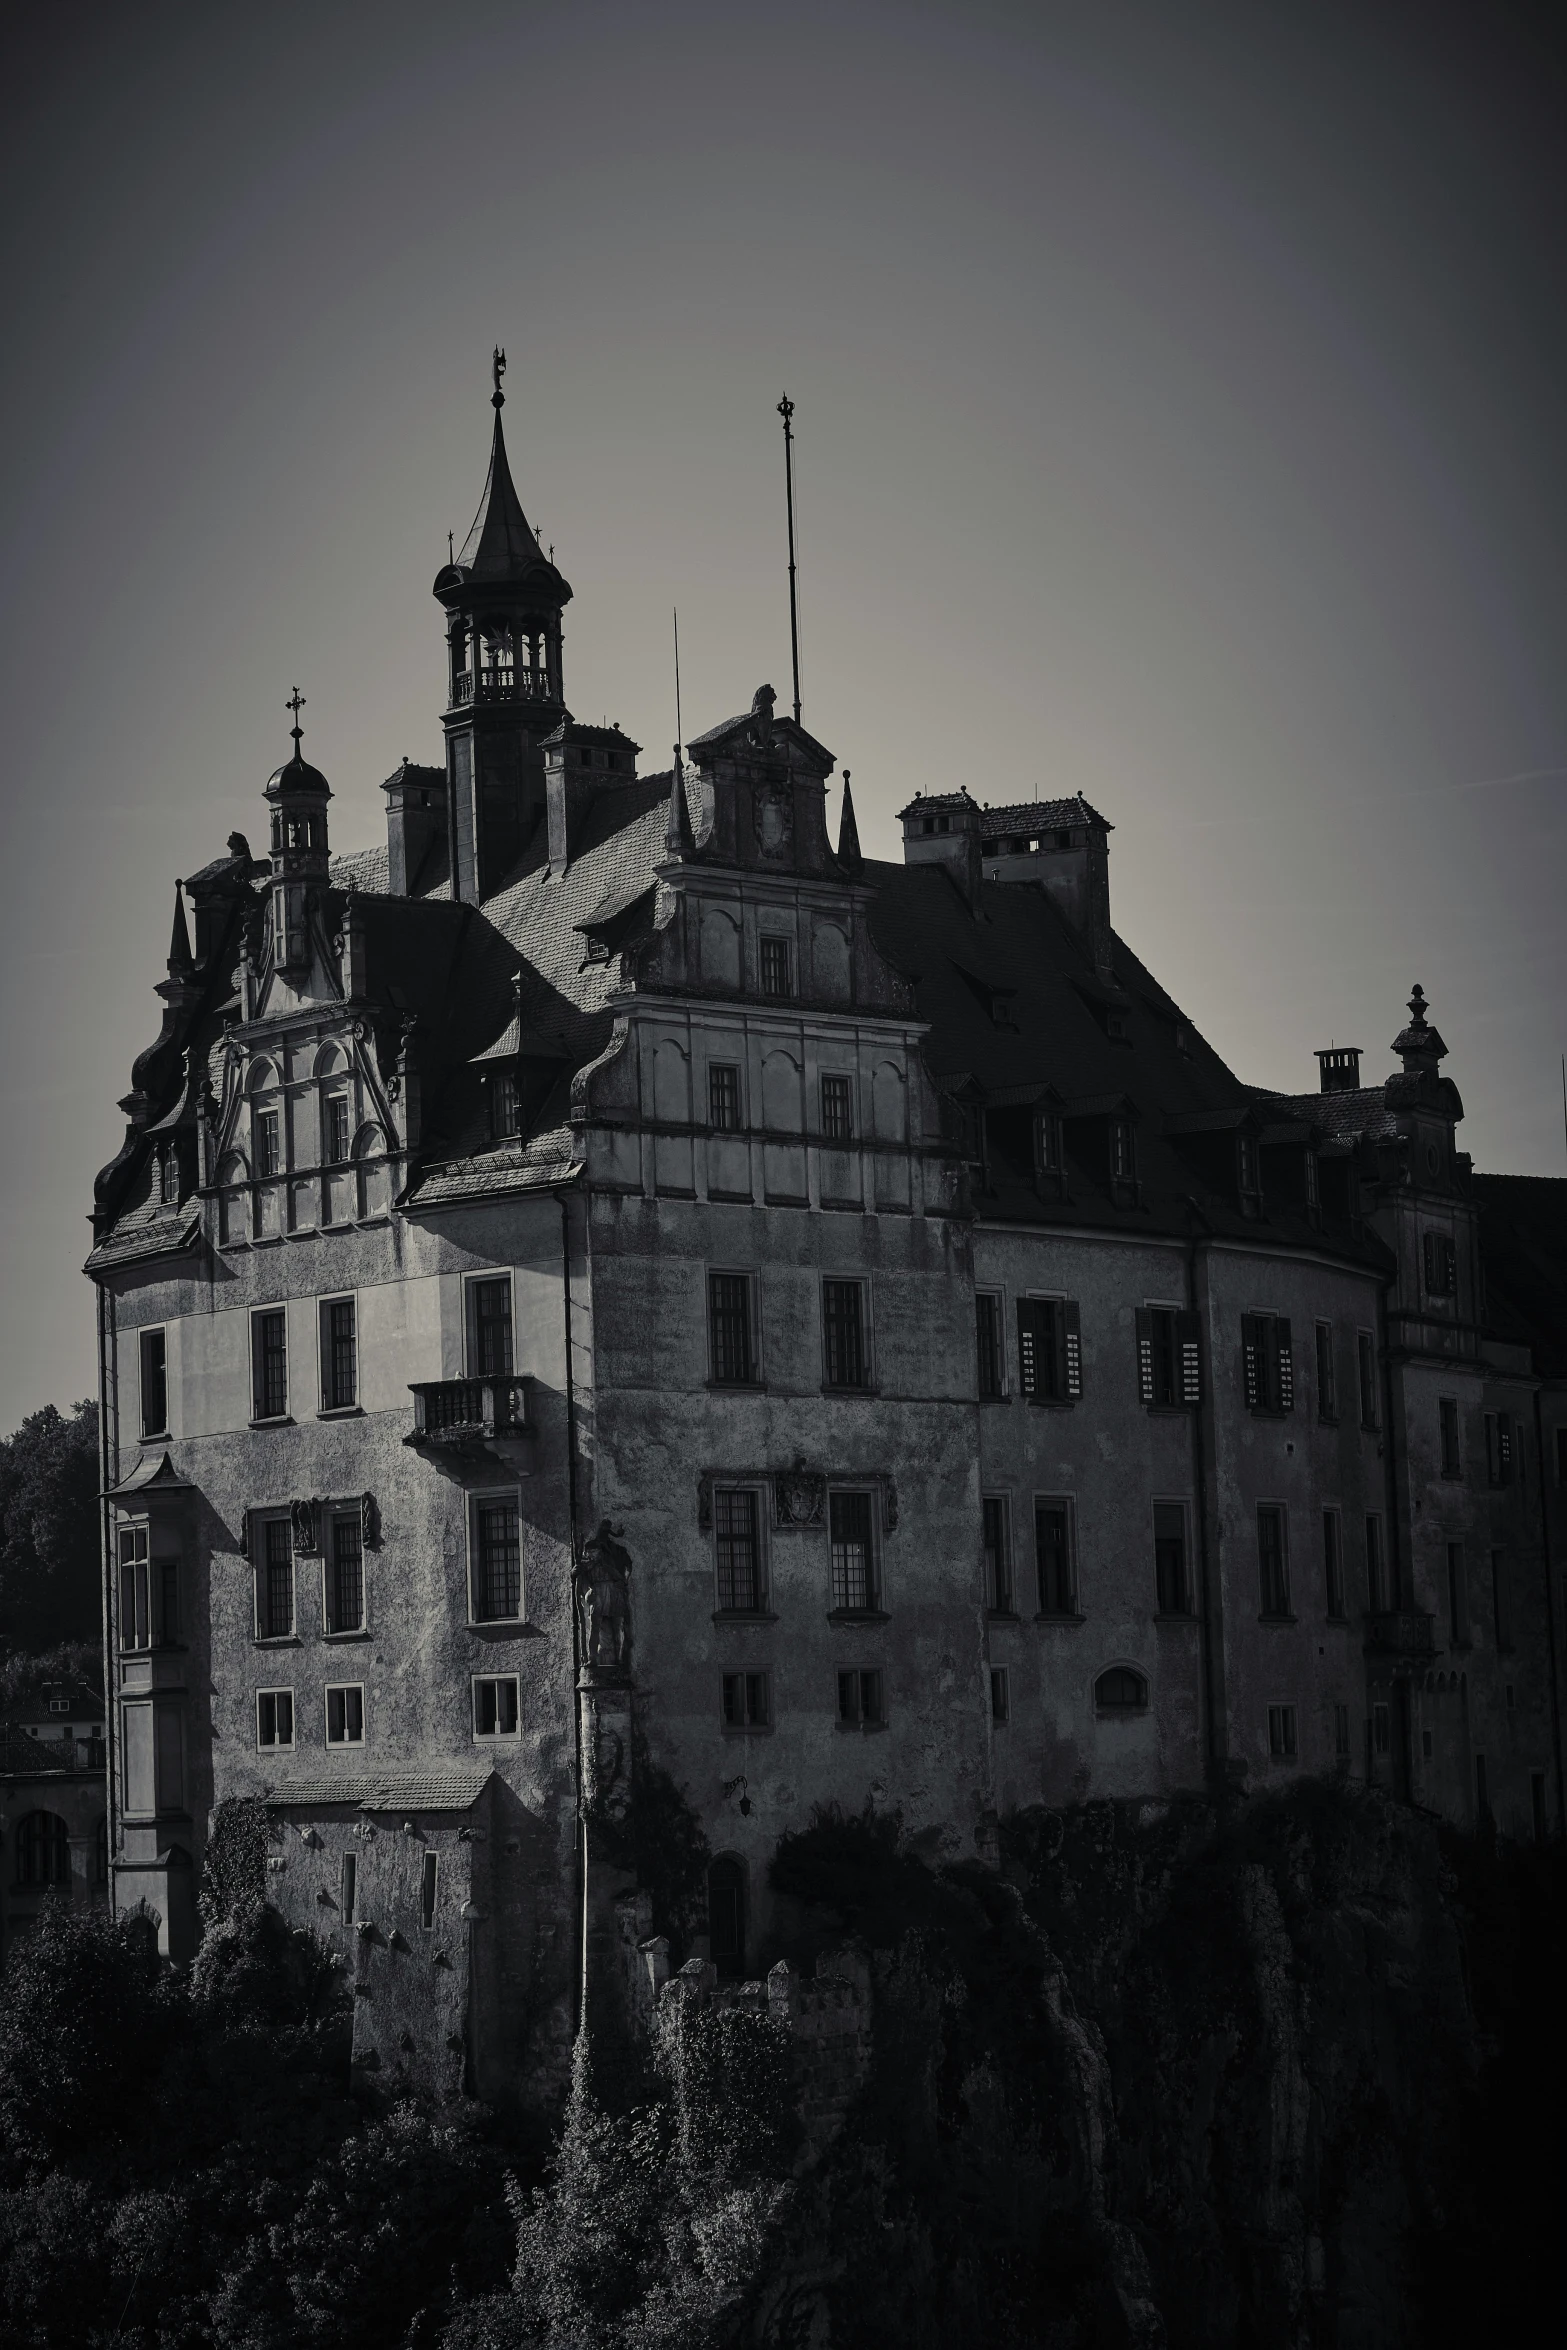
(335, 1139)
(1327, 1377)
(1447, 1412)
(1047, 1143)
(987, 1332)
(723, 1097)
(746, 1701)
(837, 1108)
(276, 1608)
(348, 1887)
(1281, 1732)
(1366, 1359)
(339, 1356)
(495, 1706)
(346, 1575)
(135, 1608)
(1268, 1363)
(1123, 1151)
(505, 1105)
(274, 1717)
(345, 1715)
(775, 967)
(1049, 1349)
(843, 1333)
(998, 1556)
(1501, 1615)
(429, 1876)
(854, 1590)
(1441, 1264)
(154, 1383)
(1333, 1565)
(1272, 1559)
(1169, 1357)
(1053, 1557)
(729, 1329)
(1341, 1732)
(269, 1363)
(1498, 1448)
(1457, 1597)
(489, 1306)
(739, 1551)
(1000, 1695)
(860, 1700)
(1169, 1558)
(269, 1142)
(1376, 1568)
(497, 1543)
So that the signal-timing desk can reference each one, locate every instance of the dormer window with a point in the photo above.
(1123, 1151)
(1249, 1174)
(1313, 1195)
(1047, 1143)
(505, 1105)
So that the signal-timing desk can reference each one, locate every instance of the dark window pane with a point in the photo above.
(505, 1104)
(853, 1561)
(775, 967)
(723, 1097)
(734, 1520)
(998, 1564)
(1166, 1359)
(843, 1324)
(342, 1363)
(491, 1328)
(1333, 1562)
(837, 1109)
(1271, 1562)
(729, 1320)
(1169, 1543)
(348, 1575)
(269, 1336)
(336, 1129)
(726, 1917)
(277, 1597)
(154, 1383)
(500, 1560)
(987, 1318)
(1053, 1555)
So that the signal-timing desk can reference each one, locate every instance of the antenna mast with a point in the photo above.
(786, 411)
(680, 732)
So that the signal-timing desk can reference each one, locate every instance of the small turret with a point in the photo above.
(849, 856)
(297, 795)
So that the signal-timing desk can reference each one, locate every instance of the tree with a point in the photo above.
(49, 1530)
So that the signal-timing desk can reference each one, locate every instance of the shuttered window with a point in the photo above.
(1169, 1357)
(1268, 1363)
(1049, 1349)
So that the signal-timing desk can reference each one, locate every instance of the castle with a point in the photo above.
(618, 1281)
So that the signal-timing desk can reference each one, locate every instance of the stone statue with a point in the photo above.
(602, 1583)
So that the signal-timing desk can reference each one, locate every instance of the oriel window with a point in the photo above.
(843, 1332)
(154, 1383)
(854, 1590)
(135, 1597)
(739, 1560)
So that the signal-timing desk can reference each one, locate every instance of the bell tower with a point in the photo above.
(297, 796)
(503, 601)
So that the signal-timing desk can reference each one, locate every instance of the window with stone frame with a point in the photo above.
(1169, 1357)
(345, 1572)
(1055, 1555)
(856, 1587)
(496, 1548)
(339, 1355)
(731, 1329)
(1282, 1744)
(345, 1713)
(1273, 1560)
(1440, 1264)
(495, 1705)
(746, 1701)
(837, 1107)
(723, 1096)
(1049, 1350)
(1267, 1364)
(1327, 1374)
(861, 1705)
(997, 1543)
(269, 1363)
(987, 1336)
(274, 1717)
(489, 1326)
(737, 1548)
(335, 1134)
(845, 1347)
(1334, 1591)
(1172, 1580)
(153, 1355)
(777, 972)
(1366, 1364)
(273, 1542)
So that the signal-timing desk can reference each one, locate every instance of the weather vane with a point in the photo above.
(295, 702)
(498, 397)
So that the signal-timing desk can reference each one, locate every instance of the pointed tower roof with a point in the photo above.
(679, 839)
(849, 856)
(179, 943)
(501, 548)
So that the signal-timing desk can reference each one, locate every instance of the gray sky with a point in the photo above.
(1180, 400)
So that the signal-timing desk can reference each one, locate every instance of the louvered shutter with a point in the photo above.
(1504, 1449)
(1072, 1350)
(1286, 1363)
(1028, 1346)
(1188, 1338)
(1144, 1355)
(1251, 1351)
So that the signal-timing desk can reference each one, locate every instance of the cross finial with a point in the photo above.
(498, 397)
(295, 702)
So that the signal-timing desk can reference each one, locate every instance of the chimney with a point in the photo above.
(580, 762)
(1340, 1066)
(1062, 847)
(944, 830)
(415, 823)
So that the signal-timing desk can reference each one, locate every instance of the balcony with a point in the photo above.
(457, 1415)
(501, 685)
(1401, 1632)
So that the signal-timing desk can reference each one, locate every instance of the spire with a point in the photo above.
(679, 839)
(179, 944)
(500, 544)
(1419, 1046)
(848, 831)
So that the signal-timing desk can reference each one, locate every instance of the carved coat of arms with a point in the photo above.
(798, 1495)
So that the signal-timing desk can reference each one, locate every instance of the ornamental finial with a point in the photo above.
(295, 702)
(498, 368)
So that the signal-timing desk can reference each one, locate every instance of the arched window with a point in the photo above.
(43, 1851)
(726, 1916)
(1121, 1691)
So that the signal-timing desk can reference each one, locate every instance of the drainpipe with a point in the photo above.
(1401, 1589)
(108, 1474)
(1550, 1616)
(581, 1832)
(1210, 1602)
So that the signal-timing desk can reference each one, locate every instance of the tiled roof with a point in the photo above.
(1030, 816)
(941, 799)
(313, 1794)
(1349, 1115)
(427, 1790)
(146, 1233)
(360, 869)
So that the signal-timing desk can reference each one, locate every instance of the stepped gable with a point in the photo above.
(1016, 1018)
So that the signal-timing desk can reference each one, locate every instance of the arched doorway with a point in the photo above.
(726, 1916)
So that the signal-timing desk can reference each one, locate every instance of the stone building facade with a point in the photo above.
(618, 1281)
(53, 1822)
